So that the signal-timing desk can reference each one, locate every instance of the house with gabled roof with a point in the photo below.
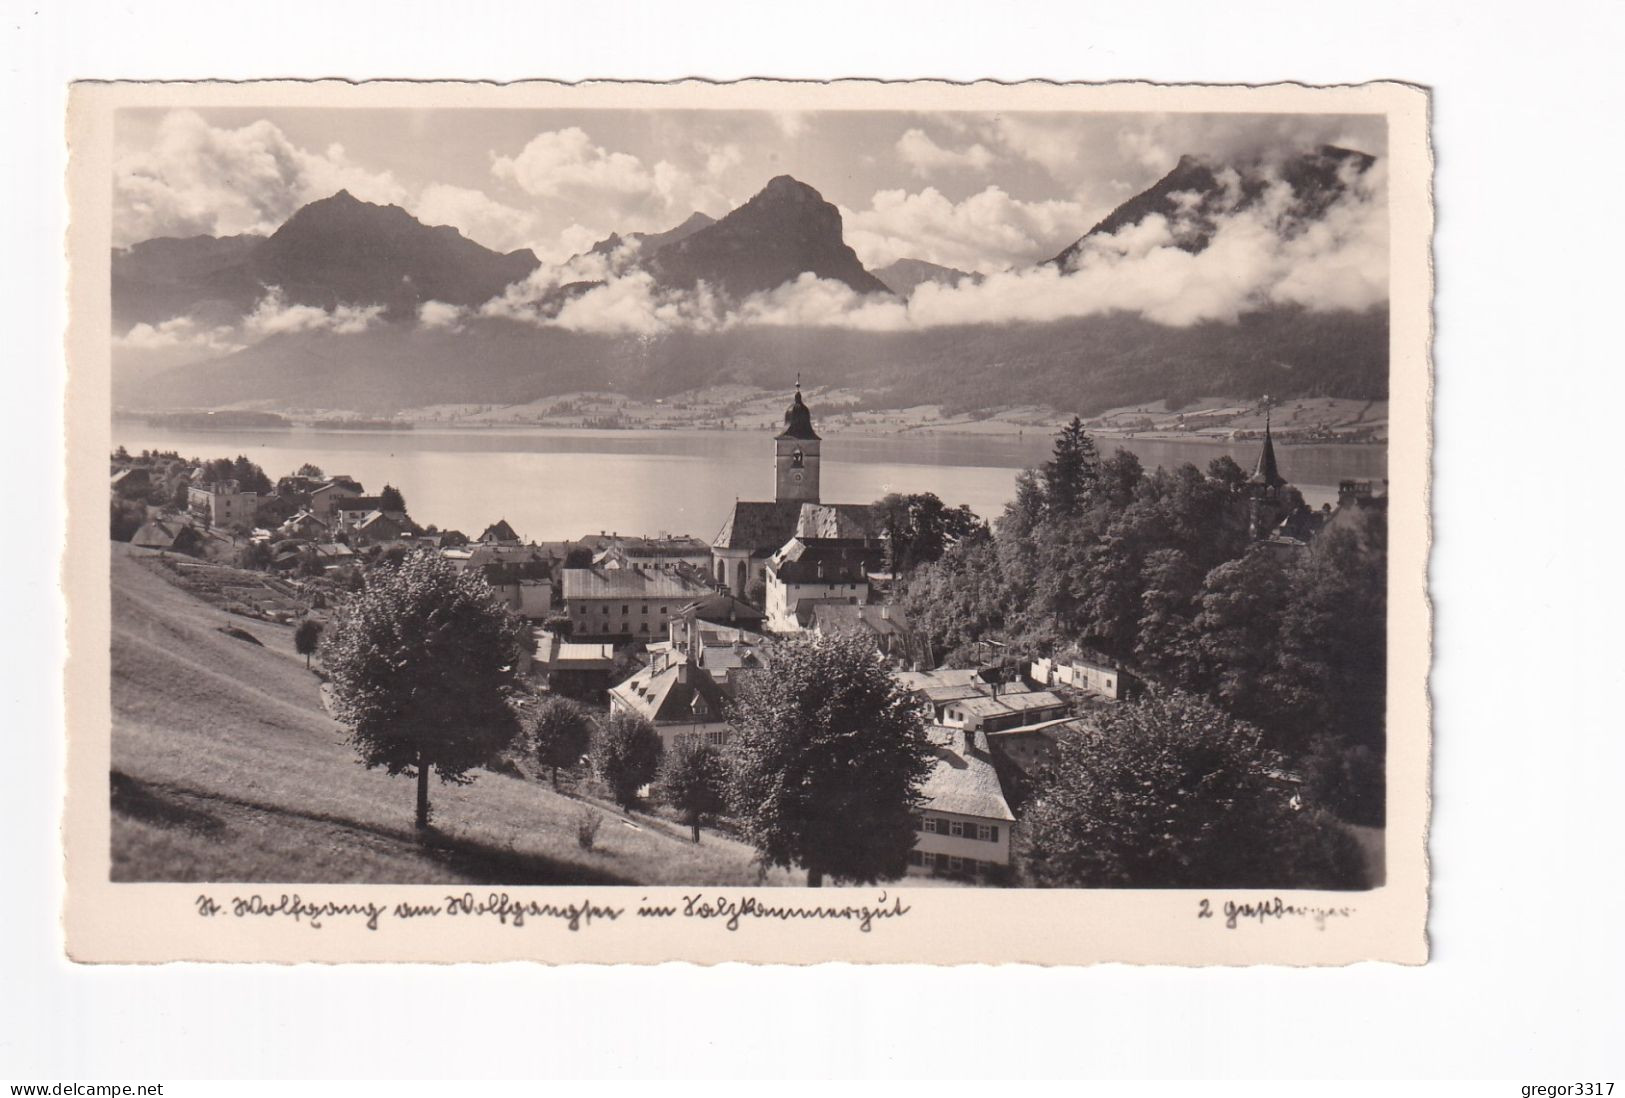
(678, 697)
(170, 536)
(626, 604)
(964, 822)
(499, 533)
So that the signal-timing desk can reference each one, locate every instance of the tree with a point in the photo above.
(826, 762)
(306, 638)
(1070, 475)
(919, 528)
(560, 732)
(626, 756)
(421, 663)
(1172, 793)
(694, 780)
(255, 555)
(1224, 471)
(309, 470)
(390, 499)
(128, 516)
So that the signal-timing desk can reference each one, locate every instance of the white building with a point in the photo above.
(223, 503)
(809, 571)
(963, 828)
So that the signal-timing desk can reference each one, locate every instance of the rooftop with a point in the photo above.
(590, 583)
(962, 779)
(668, 696)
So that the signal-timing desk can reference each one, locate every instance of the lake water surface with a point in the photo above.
(557, 483)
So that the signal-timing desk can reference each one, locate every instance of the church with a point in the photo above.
(757, 529)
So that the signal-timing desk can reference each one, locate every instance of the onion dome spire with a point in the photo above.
(798, 417)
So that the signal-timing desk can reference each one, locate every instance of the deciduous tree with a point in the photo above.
(694, 780)
(826, 762)
(1172, 793)
(306, 638)
(626, 756)
(560, 733)
(421, 663)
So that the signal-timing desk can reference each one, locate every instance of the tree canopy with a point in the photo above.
(827, 757)
(560, 733)
(1171, 792)
(421, 663)
(694, 780)
(626, 754)
(1156, 569)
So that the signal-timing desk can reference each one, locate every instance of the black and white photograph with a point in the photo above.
(911, 499)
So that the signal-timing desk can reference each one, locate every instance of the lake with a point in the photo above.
(559, 483)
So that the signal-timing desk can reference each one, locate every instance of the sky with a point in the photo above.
(977, 191)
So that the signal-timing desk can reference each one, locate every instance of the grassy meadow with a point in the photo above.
(225, 767)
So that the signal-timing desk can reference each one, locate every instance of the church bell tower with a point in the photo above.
(795, 455)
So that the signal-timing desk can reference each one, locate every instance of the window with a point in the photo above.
(625, 609)
(643, 627)
(955, 865)
(987, 834)
(956, 827)
(928, 825)
(645, 609)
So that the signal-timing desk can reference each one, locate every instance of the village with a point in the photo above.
(666, 627)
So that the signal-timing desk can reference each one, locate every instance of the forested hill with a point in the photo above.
(1084, 365)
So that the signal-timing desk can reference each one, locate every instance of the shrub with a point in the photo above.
(587, 820)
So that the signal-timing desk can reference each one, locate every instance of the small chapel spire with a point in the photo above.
(1267, 473)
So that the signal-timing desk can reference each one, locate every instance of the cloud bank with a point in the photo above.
(1258, 256)
(196, 179)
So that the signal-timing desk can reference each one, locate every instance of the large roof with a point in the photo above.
(850, 617)
(767, 524)
(667, 696)
(591, 583)
(962, 779)
(723, 610)
(826, 560)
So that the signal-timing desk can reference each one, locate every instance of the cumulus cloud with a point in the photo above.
(439, 314)
(180, 334)
(615, 190)
(792, 124)
(481, 218)
(986, 231)
(274, 316)
(926, 158)
(195, 178)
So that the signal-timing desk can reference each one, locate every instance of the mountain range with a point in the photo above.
(342, 251)
(1198, 191)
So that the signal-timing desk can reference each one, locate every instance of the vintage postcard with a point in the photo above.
(769, 522)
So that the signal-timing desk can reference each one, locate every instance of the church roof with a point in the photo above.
(798, 419)
(767, 525)
(1267, 472)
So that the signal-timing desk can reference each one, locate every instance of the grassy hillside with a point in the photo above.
(226, 767)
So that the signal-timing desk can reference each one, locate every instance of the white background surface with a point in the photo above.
(1526, 980)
